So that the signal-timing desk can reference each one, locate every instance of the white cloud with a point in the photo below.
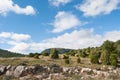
(15, 36)
(112, 35)
(9, 6)
(77, 39)
(20, 37)
(97, 7)
(19, 47)
(5, 34)
(59, 2)
(18, 42)
(64, 21)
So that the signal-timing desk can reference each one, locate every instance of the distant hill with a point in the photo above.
(60, 50)
(5, 53)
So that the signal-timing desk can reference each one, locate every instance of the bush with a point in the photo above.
(45, 54)
(54, 54)
(83, 54)
(94, 59)
(105, 58)
(113, 59)
(72, 52)
(113, 63)
(31, 55)
(67, 61)
(78, 60)
(36, 56)
(65, 57)
(77, 55)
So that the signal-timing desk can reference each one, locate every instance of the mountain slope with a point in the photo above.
(5, 53)
(60, 50)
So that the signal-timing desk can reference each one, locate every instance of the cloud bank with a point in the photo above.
(77, 39)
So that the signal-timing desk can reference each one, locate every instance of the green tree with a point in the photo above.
(36, 56)
(94, 59)
(113, 59)
(65, 57)
(117, 45)
(83, 54)
(107, 49)
(54, 53)
(31, 55)
(45, 54)
(94, 56)
(72, 52)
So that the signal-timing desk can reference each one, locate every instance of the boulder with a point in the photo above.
(2, 69)
(18, 72)
(10, 70)
(8, 67)
(53, 68)
(86, 70)
(38, 69)
(66, 69)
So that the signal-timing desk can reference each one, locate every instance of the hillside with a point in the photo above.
(5, 53)
(60, 50)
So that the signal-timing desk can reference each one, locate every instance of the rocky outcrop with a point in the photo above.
(55, 72)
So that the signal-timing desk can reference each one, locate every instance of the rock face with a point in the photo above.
(55, 72)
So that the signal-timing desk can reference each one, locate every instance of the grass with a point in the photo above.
(46, 60)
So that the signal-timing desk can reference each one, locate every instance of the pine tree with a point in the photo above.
(54, 53)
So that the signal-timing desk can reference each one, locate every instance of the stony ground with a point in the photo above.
(56, 72)
(49, 69)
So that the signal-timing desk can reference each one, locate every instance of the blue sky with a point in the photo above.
(34, 25)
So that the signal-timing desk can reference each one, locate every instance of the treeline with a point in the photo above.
(108, 53)
(6, 54)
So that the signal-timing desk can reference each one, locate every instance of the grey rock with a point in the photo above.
(66, 69)
(2, 69)
(8, 67)
(25, 78)
(19, 71)
(55, 68)
(10, 71)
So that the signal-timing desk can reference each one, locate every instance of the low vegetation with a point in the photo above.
(7, 54)
(107, 54)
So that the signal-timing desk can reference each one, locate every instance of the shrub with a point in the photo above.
(36, 56)
(31, 55)
(77, 55)
(83, 54)
(72, 52)
(54, 54)
(113, 63)
(45, 54)
(94, 59)
(65, 57)
(67, 61)
(78, 60)
(113, 59)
